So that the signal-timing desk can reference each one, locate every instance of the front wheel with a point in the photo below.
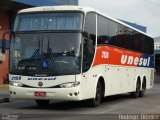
(98, 96)
(42, 103)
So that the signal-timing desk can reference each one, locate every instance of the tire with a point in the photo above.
(42, 103)
(137, 92)
(142, 92)
(98, 96)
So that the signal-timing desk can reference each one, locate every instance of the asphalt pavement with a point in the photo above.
(4, 95)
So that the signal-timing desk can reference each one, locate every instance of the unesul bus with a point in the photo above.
(77, 53)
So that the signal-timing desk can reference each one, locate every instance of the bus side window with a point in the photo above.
(102, 31)
(137, 42)
(113, 33)
(89, 43)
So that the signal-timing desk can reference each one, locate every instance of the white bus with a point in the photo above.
(75, 53)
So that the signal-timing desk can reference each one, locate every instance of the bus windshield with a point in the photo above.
(48, 21)
(37, 50)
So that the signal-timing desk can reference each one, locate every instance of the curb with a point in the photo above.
(4, 86)
(4, 100)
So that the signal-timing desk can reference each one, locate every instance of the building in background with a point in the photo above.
(157, 53)
(8, 11)
(66, 2)
(139, 27)
(157, 45)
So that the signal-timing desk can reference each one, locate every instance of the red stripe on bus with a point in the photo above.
(116, 56)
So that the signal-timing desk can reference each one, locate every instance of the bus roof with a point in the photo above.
(77, 8)
(57, 8)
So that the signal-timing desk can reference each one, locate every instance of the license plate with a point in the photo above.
(40, 94)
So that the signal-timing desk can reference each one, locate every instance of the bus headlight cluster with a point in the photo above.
(17, 84)
(70, 84)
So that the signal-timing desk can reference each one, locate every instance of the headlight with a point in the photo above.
(70, 84)
(17, 84)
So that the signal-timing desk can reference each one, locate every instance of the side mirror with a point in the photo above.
(4, 41)
(85, 34)
(3, 45)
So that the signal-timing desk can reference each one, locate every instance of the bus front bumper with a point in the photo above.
(67, 94)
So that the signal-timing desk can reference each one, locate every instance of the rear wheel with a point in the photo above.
(137, 92)
(42, 103)
(142, 92)
(98, 96)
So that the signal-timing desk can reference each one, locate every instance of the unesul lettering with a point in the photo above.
(130, 60)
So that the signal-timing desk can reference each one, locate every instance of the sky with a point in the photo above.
(142, 12)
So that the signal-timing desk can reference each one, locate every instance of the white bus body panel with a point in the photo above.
(117, 80)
